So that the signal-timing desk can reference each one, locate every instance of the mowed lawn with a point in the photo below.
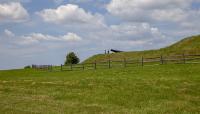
(162, 89)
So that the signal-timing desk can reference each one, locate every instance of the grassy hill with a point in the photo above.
(163, 89)
(189, 45)
(157, 89)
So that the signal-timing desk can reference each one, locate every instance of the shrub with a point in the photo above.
(27, 67)
(71, 58)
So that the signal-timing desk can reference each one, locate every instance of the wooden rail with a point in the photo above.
(161, 60)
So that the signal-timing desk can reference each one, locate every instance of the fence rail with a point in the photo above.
(161, 60)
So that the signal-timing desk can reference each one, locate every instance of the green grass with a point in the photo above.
(162, 89)
(189, 45)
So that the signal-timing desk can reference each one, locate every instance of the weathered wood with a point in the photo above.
(184, 60)
(109, 64)
(83, 66)
(71, 66)
(142, 61)
(125, 62)
(41, 67)
(161, 60)
(95, 65)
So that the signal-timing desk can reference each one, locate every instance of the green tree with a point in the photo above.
(71, 58)
(27, 67)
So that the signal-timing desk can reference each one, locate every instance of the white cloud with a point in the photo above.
(176, 18)
(70, 14)
(169, 15)
(12, 12)
(8, 33)
(71, 37)
(147, 10)
(37, 37)
(128, 36)
(136, 31)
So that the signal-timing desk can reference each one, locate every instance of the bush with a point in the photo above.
(27, 67)
(71, 58)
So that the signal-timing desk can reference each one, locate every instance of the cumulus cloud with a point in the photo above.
(8, 33)
(12, 12)
(174, 15)
(148, 10)
(70, 14)
(176, 18)
(136, 31)
(128, 36)
(37, 37)
(71, 37)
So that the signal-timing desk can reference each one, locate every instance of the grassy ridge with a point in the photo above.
(164, 89)
(189, 45)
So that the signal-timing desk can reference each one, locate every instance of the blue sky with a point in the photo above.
(44, 31)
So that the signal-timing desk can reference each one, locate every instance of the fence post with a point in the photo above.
(95, 65)
(83, 66)
(109, 64)
(49, 67)
(161, 60)
(125, 62)
(61, 67)
(142, 61)
(184, 61)
(71, 66)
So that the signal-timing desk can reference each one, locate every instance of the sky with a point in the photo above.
(44, 31)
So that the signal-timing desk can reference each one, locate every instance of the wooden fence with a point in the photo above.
(161, 60)
(42, 67)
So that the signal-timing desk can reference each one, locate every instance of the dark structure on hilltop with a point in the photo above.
(116, 51)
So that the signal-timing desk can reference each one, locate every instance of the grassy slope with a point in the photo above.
(189, 45)
(164, 89)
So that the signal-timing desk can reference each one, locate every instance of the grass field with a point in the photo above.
(162, 89)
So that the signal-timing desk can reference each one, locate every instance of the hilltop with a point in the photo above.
(190, 45)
